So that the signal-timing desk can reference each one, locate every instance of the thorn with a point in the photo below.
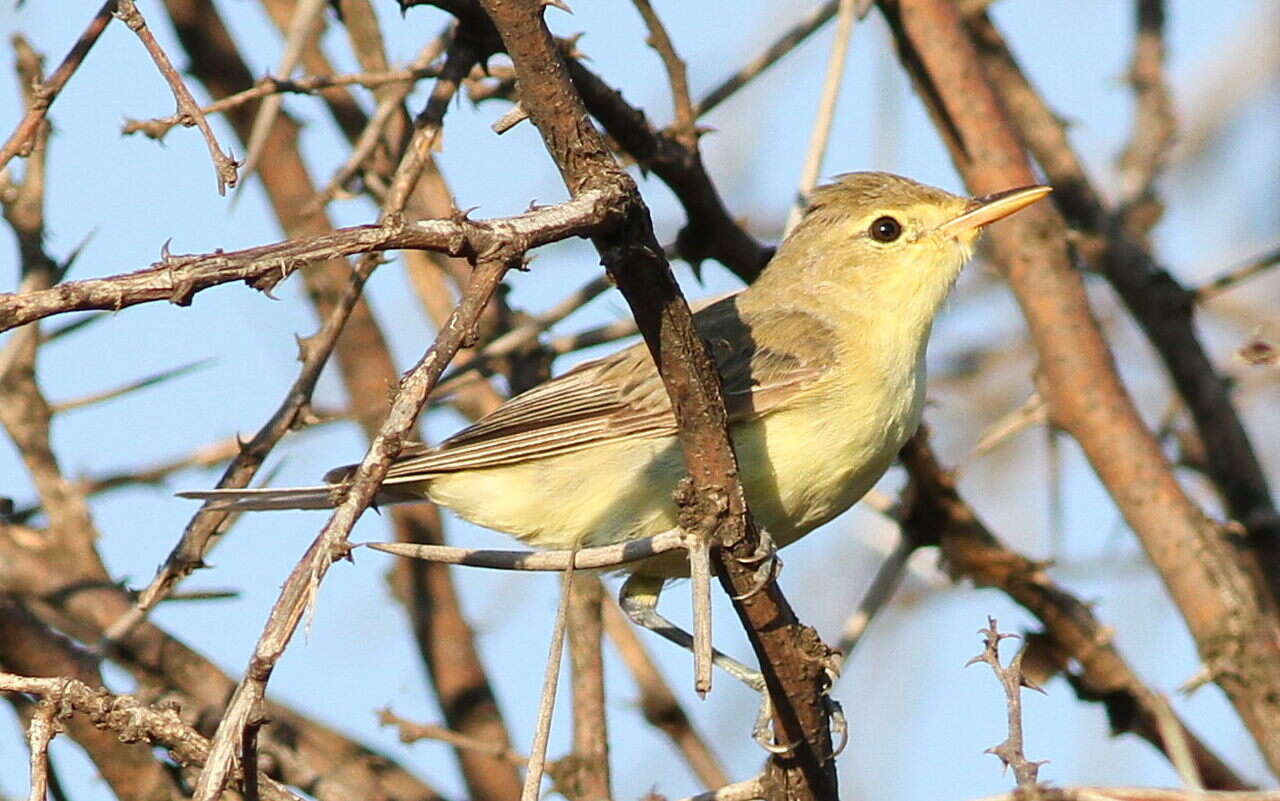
(560, 4)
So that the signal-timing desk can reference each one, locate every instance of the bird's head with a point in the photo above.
(876, 238)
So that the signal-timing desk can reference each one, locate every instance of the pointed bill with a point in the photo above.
(989, 208)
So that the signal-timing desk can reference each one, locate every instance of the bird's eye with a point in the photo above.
(885, 229)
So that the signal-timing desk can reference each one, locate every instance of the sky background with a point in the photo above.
(918, 720)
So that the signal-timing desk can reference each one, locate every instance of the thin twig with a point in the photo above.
(268, 85)
(547, 702)
(1154, 123)
(410, 732)
(590, 775)
(40, 731)
(850, 12)
(658, 703)
(1012, 681)
(1177, 745)
(458, 61)
(677, 74)
(784, 44)
(885, 583)
(20, 141)
(1236, 276)
(224, 167)
(133, 386)
(305, 23)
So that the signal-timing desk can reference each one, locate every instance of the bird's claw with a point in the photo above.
(839, 723)
(766, 563)
(762, 730)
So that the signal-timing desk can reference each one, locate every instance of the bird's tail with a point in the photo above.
(245, 500)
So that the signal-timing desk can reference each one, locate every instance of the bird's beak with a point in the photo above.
(989, 208)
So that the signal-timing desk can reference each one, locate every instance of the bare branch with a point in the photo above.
(178, 278)
(42, 96)
(1012, 681)
(224, 166)
(133, 720)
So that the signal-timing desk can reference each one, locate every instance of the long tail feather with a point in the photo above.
(244, 500)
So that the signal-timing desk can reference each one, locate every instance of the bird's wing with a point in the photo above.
(763, 358)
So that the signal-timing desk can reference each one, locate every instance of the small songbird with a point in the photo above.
(823, 369)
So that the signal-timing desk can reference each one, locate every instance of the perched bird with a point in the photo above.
(822, 363)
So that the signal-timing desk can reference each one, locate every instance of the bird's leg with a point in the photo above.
(639, 600)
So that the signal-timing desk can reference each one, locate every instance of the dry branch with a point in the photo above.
(792, 658)
(178, 278)
(1216, 588)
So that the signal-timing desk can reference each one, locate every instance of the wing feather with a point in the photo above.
(763, 358)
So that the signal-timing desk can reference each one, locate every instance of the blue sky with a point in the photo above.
(908, 698)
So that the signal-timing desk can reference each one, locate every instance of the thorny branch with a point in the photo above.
(178, 278)
(131, 719)
(224, 167)
(1012, 680)
(793, 663)
(301, 587)
(1074, 641)
(1216, 587)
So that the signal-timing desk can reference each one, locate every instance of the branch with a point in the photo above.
(21, 140)
(224, 167)
(1080, 646)
(1012, 681)
(132, 720)
(178, 278)
(1215, 586)
(300, 589)
(1161, 306)
(633, 257)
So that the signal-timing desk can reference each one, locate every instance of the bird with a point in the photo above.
(822, 364)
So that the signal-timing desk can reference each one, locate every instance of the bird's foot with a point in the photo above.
(765, 563)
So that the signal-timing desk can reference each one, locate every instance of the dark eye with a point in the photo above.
(885, 229)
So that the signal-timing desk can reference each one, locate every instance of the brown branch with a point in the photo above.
(134, 721)
(224, 167)
(29, 647)
(792, 657)
(710, 233)
(300, 589)
(1215, 586)
(157, 127)
(658, 703)
(21, 140)
(677, 74)
(178, 278)
(1011, 681)
(1079, 645)
(1154, 124)
(589, 777)
(1161, 306)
